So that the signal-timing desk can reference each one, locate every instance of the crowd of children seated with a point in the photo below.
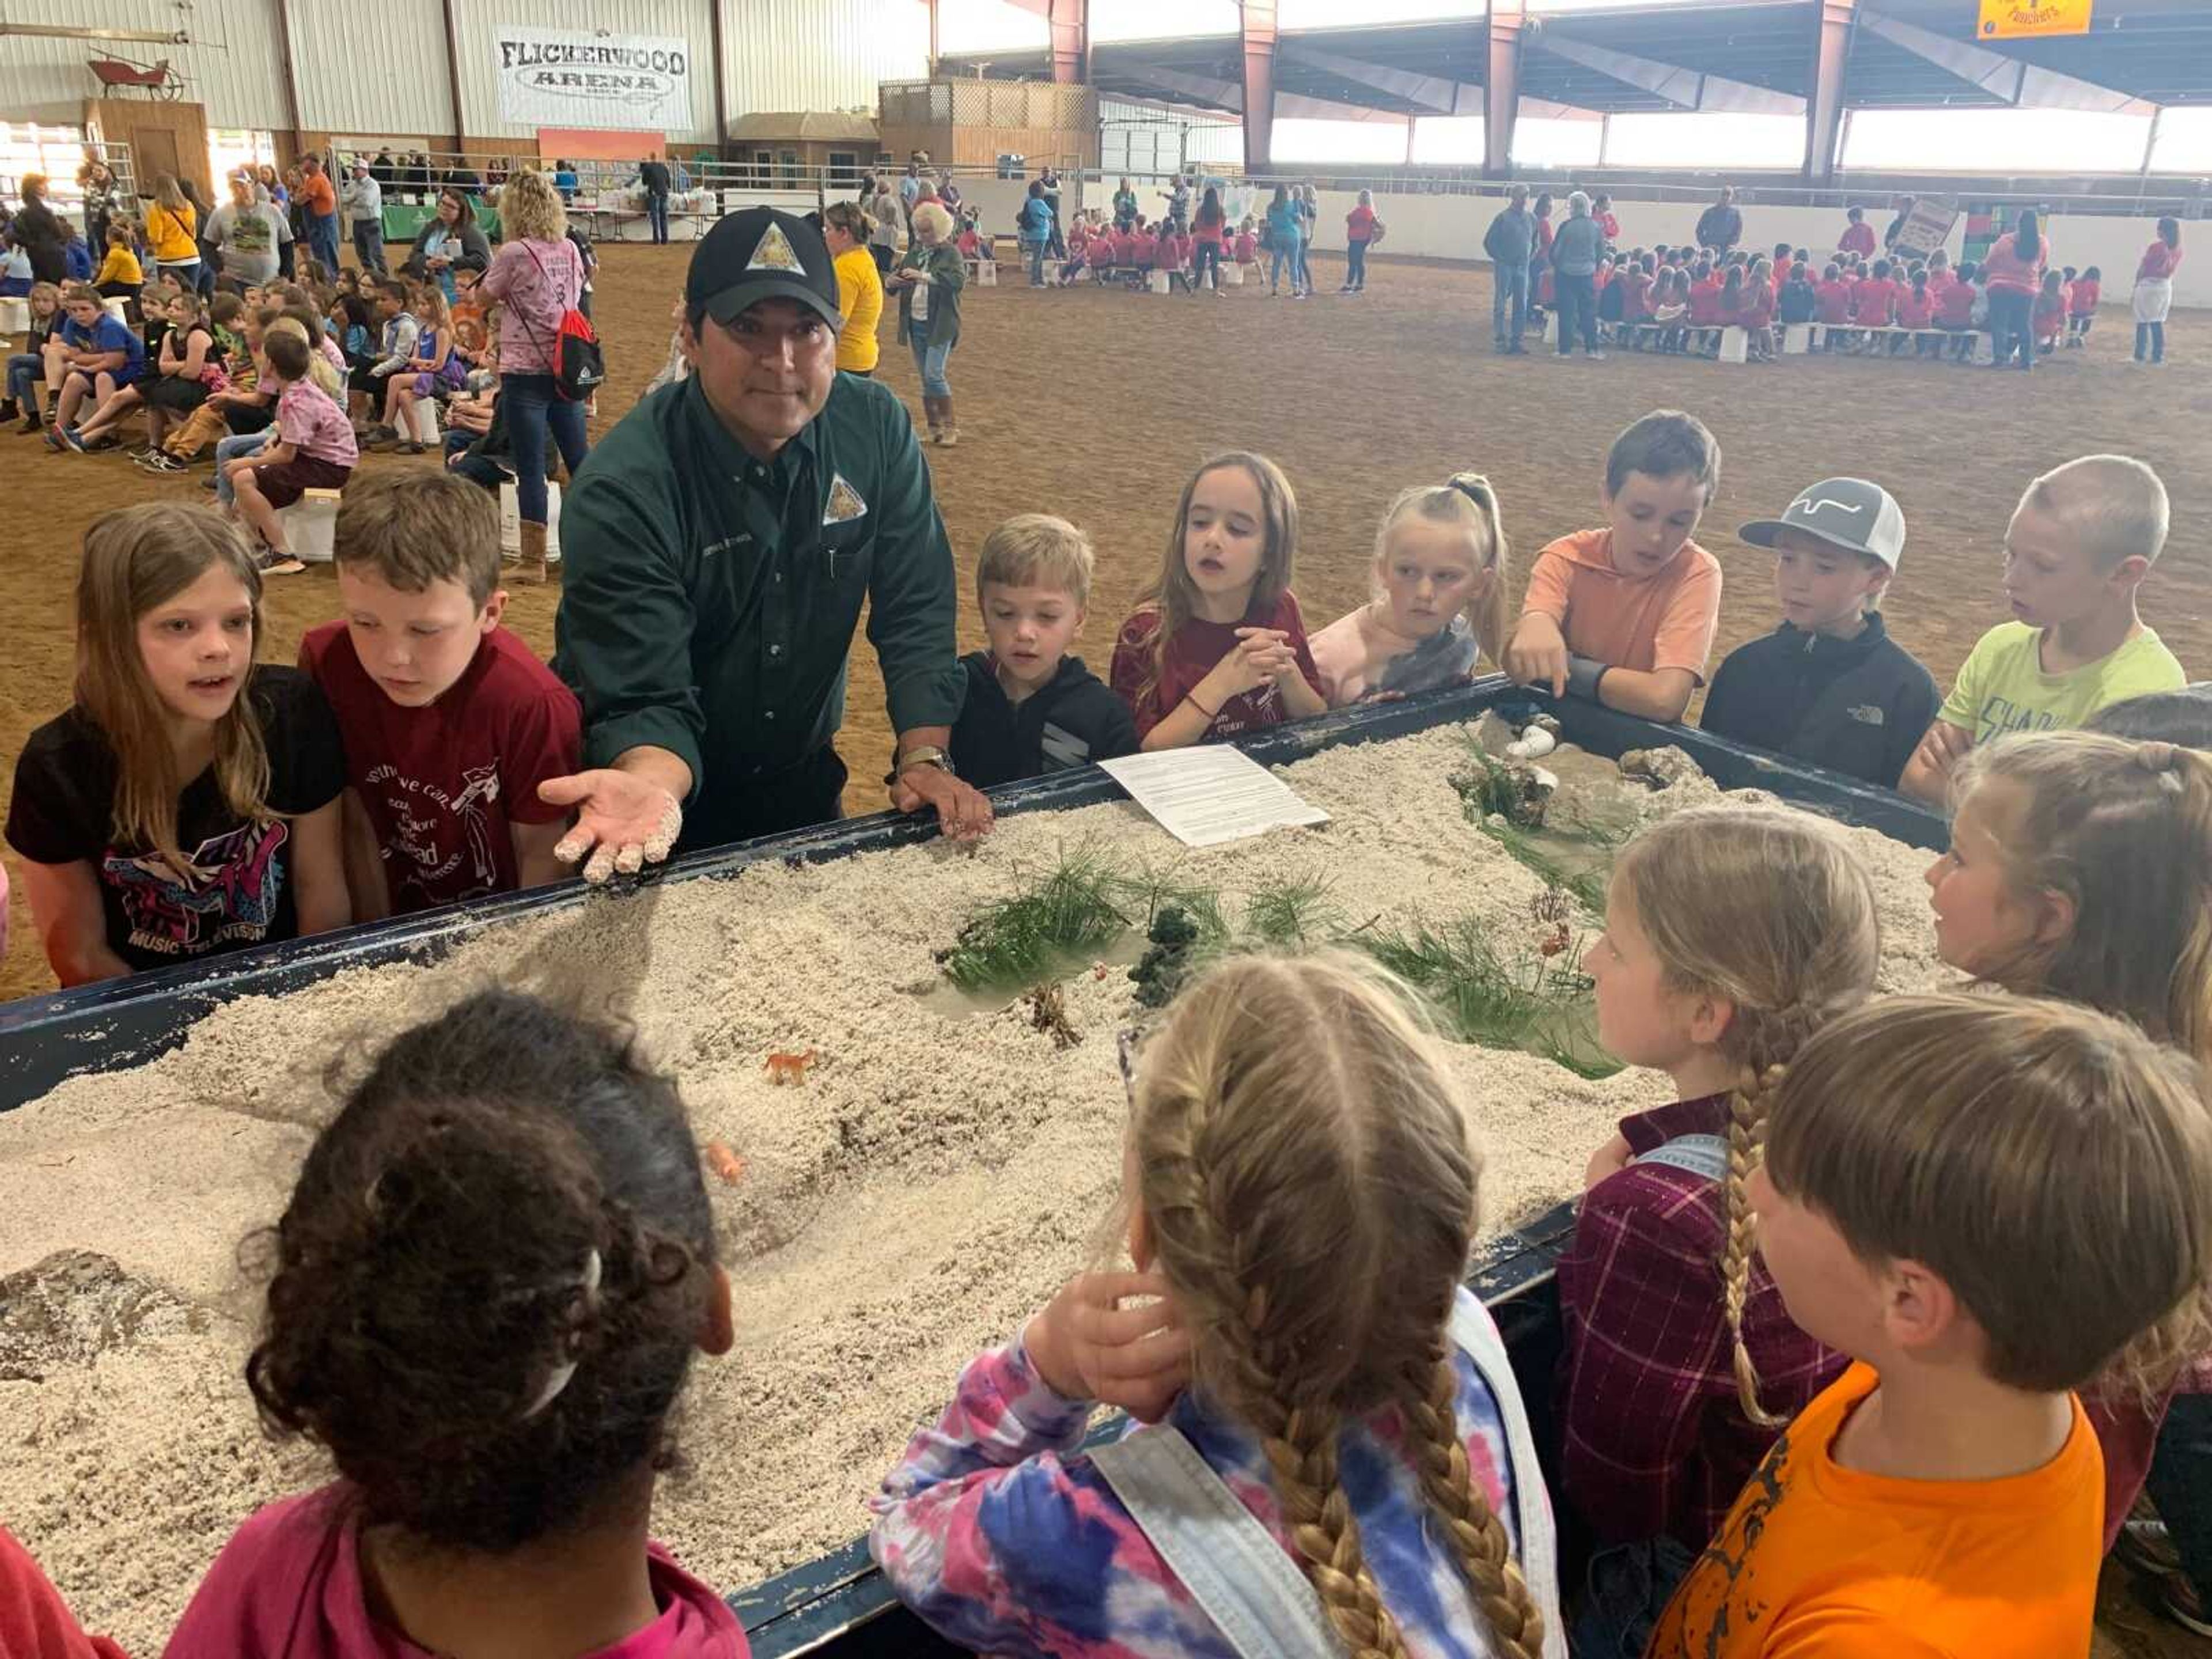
(180, 379)
(1680, 300)
(1129, 250)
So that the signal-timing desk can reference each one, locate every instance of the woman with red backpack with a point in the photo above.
(537, 277)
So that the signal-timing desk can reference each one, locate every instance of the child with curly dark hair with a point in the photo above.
(486, 1292)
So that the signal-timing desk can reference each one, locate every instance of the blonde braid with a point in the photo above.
(1301, 1447)
(1502, 1596)
(1746, 1136)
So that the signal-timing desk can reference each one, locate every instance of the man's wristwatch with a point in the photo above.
(926, 755)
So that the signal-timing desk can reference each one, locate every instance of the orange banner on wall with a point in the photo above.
(2017, 19)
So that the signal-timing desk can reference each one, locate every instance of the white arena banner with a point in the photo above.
(624, 82)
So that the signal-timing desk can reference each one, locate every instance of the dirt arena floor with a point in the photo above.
(1095, 405)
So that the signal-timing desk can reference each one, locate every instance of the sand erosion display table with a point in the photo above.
(165, 1115)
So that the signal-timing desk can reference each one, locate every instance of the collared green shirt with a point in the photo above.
(709, 599)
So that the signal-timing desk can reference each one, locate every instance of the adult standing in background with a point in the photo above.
(1309, 222)
(450, 240)
(1575, 252)
(248, 234)
(40, 235)
(1283, 222)
(1511, 242)
(103, 200)
(265, 176)
(885, 220)
(321, 202)
(1601, 210)
(1211, 228)
(1720, 227)
(929, 278)
(1056, 238)
(909, 190)
(2012, 272)
(720, 548)
(653, 175)
(1125, 206)
(537, 276)
(859, 287)
(364, 203)
(382, 170)
(1359, 228)
(203, 211)
(948, 193)
(1034, 224)
(172, 231)
(564, 179)
(2154, 296)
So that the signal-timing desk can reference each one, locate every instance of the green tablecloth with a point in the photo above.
(404, 221)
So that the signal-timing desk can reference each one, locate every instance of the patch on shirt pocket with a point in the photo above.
(846, 503)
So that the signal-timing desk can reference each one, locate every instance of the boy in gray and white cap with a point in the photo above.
(1829, 687)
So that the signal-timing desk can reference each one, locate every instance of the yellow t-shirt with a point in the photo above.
(1818, 1561)
(860, 297)
(2002, 687)
(171, 234)
(121, 265)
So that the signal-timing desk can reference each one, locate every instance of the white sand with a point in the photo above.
(933, 1181)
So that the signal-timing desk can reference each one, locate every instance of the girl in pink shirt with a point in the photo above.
(485, 1294)
(2153, 295)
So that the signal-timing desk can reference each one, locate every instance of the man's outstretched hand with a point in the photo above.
(623, 821)
(963, 812)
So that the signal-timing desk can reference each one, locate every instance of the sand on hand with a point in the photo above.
(924, 1185)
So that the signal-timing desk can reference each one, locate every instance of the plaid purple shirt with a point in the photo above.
(1656, 1441)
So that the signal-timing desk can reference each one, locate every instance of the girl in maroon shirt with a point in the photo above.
(1216, 645)
(2153, 297)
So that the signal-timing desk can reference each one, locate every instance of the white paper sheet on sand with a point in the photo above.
(1210, 794)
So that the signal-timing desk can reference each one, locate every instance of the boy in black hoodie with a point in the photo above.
(1032, 708)
(1829, 687)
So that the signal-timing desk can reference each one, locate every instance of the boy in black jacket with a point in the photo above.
(1032, 708)
(1829, 687)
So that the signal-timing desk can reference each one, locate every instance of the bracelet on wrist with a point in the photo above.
(1211, 713)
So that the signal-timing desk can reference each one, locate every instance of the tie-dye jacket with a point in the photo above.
(1000, 1533)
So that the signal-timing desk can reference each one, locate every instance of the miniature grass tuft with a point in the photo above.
(1495, 1002)
(1033, 936)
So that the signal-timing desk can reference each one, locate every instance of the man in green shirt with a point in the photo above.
(717, 549)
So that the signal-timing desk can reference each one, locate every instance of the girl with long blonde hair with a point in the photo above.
(1731, 934)
(1217, 644)
(187, 803)
(1338, 1460)
(1440, 600)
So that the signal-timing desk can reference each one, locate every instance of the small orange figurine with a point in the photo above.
(725, 1162)
(789, 1067)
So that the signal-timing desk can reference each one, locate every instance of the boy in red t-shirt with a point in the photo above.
(1876, 302)
(450, 723)
(2081, 305)
(1832, 305)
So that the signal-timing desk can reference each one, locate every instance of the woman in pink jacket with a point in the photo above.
(2013, 271)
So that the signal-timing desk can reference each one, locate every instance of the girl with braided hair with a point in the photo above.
(1732, 933)
(2080, 867)
(485, 1298)
(1337, 1460)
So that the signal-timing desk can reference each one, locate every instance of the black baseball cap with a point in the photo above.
(763, 254)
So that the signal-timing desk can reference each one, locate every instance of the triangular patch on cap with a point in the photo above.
(775, 252)
(845, 502)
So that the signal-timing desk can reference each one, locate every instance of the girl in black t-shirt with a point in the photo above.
(187, 803)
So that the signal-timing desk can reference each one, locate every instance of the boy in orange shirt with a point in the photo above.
(1624, 615)
(1934, 1164)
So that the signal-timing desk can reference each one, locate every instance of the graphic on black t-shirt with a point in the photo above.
(229, 893)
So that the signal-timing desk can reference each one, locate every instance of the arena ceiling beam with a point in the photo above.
(1229, 96)
(1435, 93)
(2018, 83)
(1070, 20)
(1832, 57)
(1686, 88)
